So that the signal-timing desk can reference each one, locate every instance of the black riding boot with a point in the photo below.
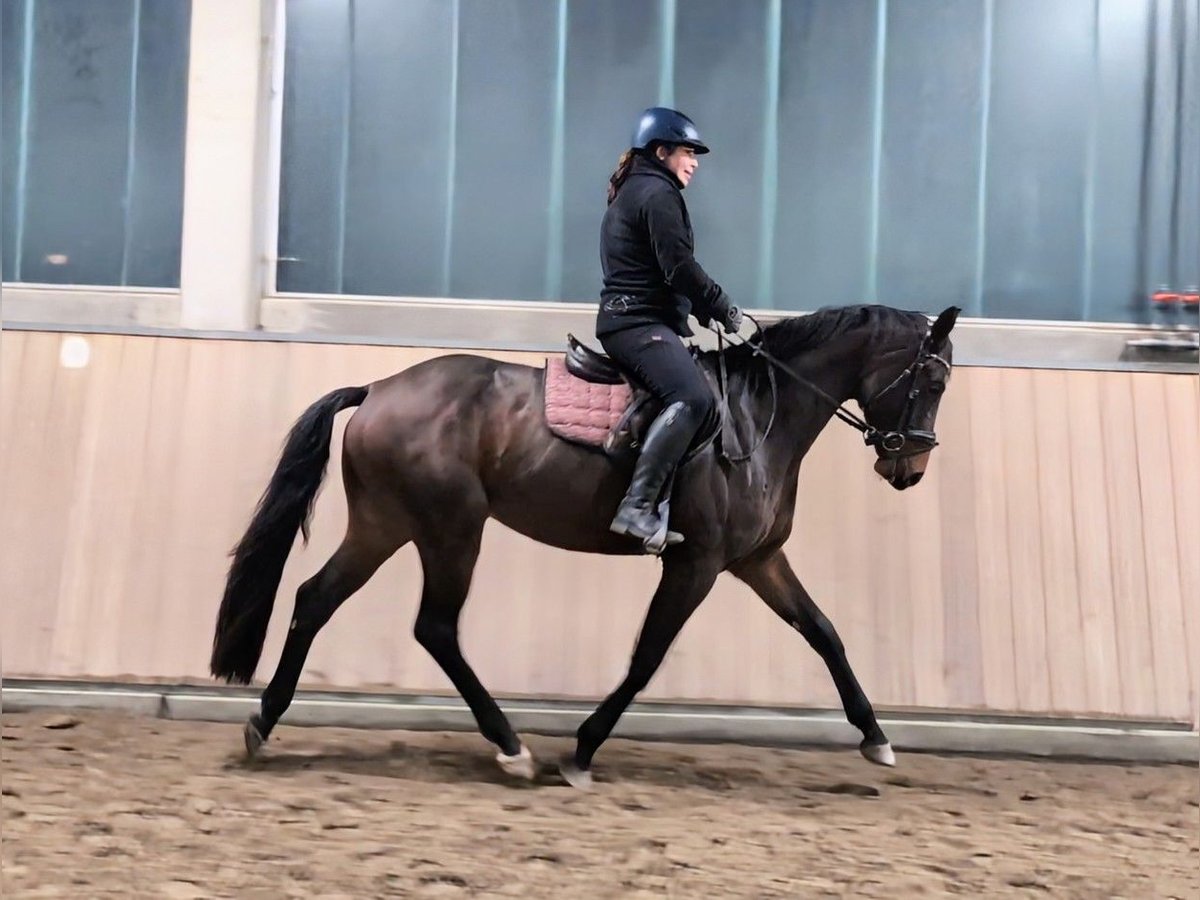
(667, 439)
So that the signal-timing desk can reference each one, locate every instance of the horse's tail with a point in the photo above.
(258, 559)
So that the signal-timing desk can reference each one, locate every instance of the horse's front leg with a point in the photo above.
(686, 581)
(772, 579)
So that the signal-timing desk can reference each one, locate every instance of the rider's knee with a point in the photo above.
(700, 406)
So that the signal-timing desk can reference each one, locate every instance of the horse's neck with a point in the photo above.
(836, 369)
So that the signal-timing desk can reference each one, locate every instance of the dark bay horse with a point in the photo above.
(435, 450)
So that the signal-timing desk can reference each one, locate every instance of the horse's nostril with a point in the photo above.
(913, 479)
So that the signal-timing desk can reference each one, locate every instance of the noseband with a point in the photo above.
(906, 440)
(899, 443)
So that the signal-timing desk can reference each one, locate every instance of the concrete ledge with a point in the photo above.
(142, 702)
(932, 732)
(111, 308)
(541, 327)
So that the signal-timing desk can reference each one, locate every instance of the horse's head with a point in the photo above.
(902, 389)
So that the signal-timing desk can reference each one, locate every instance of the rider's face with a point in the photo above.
(681, 162)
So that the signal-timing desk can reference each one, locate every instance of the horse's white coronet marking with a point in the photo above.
(880, 754)
(520, 765)
(580, 779)
(254, 740)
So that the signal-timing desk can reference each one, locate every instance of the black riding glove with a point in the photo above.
(729, 315)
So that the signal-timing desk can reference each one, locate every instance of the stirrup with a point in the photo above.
(664, 537)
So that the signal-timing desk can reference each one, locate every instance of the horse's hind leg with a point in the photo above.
(449, 549)
(361, 553)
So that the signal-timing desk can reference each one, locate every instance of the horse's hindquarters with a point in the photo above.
(463, 429)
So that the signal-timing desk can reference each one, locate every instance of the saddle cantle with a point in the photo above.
(584, 362)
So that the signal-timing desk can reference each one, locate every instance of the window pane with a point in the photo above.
(74, 221)
(315, 107)
(613, 63)
(12, 41)
(929, 190)
(720, 66)
(399, 149)
(505, 125)
(1037, 141)
(156, 185)
(95, 100)
(1118, 285)
(826, 92)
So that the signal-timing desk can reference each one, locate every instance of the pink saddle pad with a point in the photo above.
(579, 410)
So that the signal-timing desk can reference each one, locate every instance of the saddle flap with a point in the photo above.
(584, 362)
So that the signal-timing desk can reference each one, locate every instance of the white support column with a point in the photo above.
(229, 84)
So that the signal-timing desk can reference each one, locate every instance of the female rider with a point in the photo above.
(651, 284)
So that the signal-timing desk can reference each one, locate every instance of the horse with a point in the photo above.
(436, 449)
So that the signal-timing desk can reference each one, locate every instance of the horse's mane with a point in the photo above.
(797, 334)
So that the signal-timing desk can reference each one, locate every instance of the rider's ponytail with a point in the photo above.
(617, 178)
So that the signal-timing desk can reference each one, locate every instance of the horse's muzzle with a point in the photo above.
(901, 473)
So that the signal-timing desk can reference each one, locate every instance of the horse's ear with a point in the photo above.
(941, 328)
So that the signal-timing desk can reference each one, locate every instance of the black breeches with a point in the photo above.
(656, 356)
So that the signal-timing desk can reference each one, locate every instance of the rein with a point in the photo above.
(723, 377)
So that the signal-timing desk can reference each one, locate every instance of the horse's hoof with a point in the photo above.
(576, 777)
(520, 765)
(880, 754)
(253, 735)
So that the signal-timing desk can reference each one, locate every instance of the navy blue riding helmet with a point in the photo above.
(668, 126)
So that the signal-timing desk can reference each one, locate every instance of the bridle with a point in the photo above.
(906, 440)
(903, 441)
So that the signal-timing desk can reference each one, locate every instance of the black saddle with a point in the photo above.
(586, 363)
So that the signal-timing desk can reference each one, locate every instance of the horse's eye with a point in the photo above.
(937, 388)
